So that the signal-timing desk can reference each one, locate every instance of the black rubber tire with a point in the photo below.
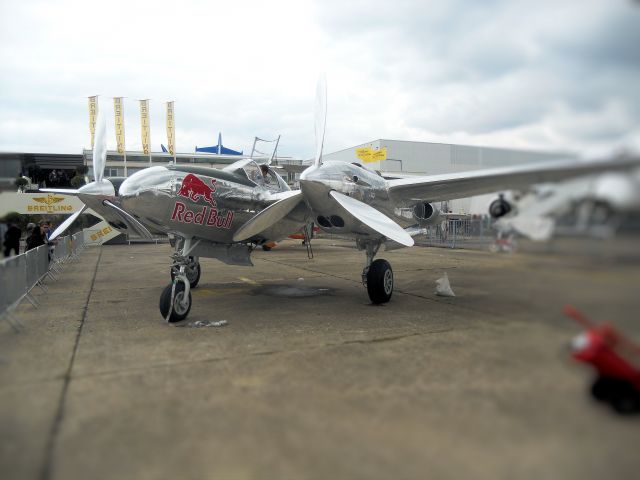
(178, 314)
(603, 388)
(380, 281)
(193, 281)
(626, 400)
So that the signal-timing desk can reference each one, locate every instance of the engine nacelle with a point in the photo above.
(426, 213)
(500, 207)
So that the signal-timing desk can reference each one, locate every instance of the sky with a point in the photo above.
(544, 75)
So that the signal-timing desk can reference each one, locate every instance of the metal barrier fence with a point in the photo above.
(471, 233)
(464, 232)
(20, 274)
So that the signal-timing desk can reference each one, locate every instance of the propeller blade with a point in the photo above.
(373, 219)
(129, 220)
(321, 118)
(66, 224)
(62, 191)
(267, 217)
(100, 147)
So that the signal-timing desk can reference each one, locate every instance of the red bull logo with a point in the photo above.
(195, 189)
(206, 216)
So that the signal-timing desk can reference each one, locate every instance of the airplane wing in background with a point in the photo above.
(466, 184)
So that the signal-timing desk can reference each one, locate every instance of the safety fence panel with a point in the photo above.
(14, 280)
(61, 249)
(470, 233)
(19, 274)
(33, 267)
(42, 257)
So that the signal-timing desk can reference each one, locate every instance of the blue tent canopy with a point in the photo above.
(219, 149)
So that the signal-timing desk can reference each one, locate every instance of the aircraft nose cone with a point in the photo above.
(103, 187)
(147, 179)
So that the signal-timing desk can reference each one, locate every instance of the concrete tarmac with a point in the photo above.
(308, 379)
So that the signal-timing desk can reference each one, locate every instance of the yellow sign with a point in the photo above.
(101, 233)
(144, 124)
(93, 113)
(171, 136)
(118, 109)
(369, 155)
(49, 204)
(38, 203)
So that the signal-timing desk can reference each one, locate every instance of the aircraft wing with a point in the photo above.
(450, 186)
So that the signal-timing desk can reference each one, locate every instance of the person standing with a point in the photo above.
(35, 236)
(12, 240)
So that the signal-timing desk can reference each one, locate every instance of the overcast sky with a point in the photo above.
(544, 75)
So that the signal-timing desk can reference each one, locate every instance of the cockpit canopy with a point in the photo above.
(249, 169)
(246, 168)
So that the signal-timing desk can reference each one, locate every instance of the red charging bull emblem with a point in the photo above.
(194, 189)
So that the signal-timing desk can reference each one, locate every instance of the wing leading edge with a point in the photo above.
(466, 184)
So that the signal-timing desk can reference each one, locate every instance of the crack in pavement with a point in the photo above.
(366, 341)
(45, 473)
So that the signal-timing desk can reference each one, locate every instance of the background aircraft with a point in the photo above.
(219, 148)
(596, 205)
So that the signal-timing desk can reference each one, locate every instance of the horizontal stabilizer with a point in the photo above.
(270, 215)
(373, 219)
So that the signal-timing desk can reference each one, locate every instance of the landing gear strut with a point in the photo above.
(377, 275)
(175, 301)
(192, 271)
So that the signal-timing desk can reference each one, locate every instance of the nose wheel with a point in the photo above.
(175, 300)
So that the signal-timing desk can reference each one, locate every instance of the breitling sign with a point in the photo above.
(49, 204)
(38, 203)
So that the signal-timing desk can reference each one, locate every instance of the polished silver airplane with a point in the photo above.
(225, 214)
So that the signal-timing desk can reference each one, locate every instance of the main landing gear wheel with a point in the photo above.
(380, 281)
(192, 270)
(180, 308)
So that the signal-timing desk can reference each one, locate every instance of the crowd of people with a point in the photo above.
(58, 178)
(36, 236)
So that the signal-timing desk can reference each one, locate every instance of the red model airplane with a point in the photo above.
(616, 360)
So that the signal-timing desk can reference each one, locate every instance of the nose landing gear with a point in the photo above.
(175, 300)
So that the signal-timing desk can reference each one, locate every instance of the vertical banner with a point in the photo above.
(171, 136)
(119, 112)
(118, 109)
(144, 125)
(93, 114)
